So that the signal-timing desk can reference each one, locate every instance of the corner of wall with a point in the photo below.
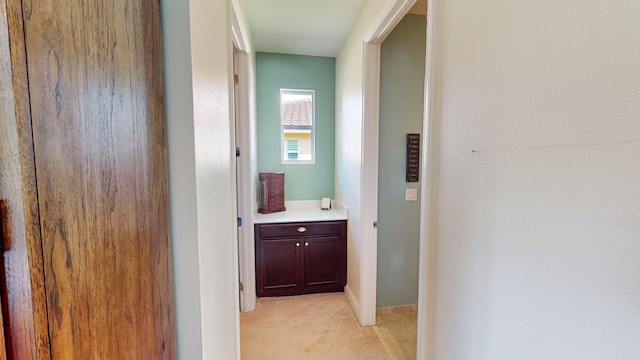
(184, 245)
(353, 301)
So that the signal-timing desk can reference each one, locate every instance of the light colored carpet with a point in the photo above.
(314, 327)
(398, 327)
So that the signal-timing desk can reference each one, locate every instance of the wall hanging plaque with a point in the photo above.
(413, 157)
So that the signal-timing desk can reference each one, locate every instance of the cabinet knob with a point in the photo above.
(306, 244)
(302, 229)
(297, 244)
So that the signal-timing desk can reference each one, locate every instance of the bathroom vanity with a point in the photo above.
(300, 251)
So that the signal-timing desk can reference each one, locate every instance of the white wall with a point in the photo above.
(538, 231)
(197, 83)
(349, 122)
(178, 96)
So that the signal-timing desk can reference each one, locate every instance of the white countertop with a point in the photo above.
(299, 211)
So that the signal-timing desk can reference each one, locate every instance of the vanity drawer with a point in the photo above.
(302, 229)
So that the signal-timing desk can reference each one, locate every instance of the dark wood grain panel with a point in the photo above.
(280, 267)
(301, 229)
(95, 76)
(24, 305)
(324, 263)
(300, 257)
(271, 192)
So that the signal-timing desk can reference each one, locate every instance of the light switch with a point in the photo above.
(411, 194)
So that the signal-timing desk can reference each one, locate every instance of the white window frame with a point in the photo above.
(283, 143)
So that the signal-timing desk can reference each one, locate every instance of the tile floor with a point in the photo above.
(315, 327)
(397, 326)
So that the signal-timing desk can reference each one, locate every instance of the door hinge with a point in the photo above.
(241, 286)
(237, 152)
(239, 221)
(235, 79)
(375, 224)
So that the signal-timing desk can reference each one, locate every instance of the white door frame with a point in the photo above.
(394, 11)
(429, 177)
(245, 191)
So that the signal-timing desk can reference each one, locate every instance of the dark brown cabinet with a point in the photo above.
(279, 266)
(300, 258)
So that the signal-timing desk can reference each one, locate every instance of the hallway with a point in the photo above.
(319, 326)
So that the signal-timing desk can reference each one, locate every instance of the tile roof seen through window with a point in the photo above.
(297, 113)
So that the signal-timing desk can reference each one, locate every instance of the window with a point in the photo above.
(297, 119)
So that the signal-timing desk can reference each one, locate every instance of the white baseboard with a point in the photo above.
(355, 304)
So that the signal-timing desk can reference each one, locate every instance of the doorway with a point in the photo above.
(363, 298)
(401, 114)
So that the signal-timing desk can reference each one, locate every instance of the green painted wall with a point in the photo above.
(401, 112)
(276, 71)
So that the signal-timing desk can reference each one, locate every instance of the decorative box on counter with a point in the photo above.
(271, 192)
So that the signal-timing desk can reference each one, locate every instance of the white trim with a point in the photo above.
(283, 149)
(353, 301)
(238, 28)
(428, 242)
(394, 11)
(246, 203)
(369, 187)
(239, 171)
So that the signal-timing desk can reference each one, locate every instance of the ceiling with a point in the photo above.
(305, 27)
(302, 27)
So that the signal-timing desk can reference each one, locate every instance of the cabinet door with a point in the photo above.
(324, 264)
(279, 266)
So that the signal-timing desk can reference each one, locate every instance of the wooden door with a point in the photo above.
(279, 266)
(95, 84)
(24, 318)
